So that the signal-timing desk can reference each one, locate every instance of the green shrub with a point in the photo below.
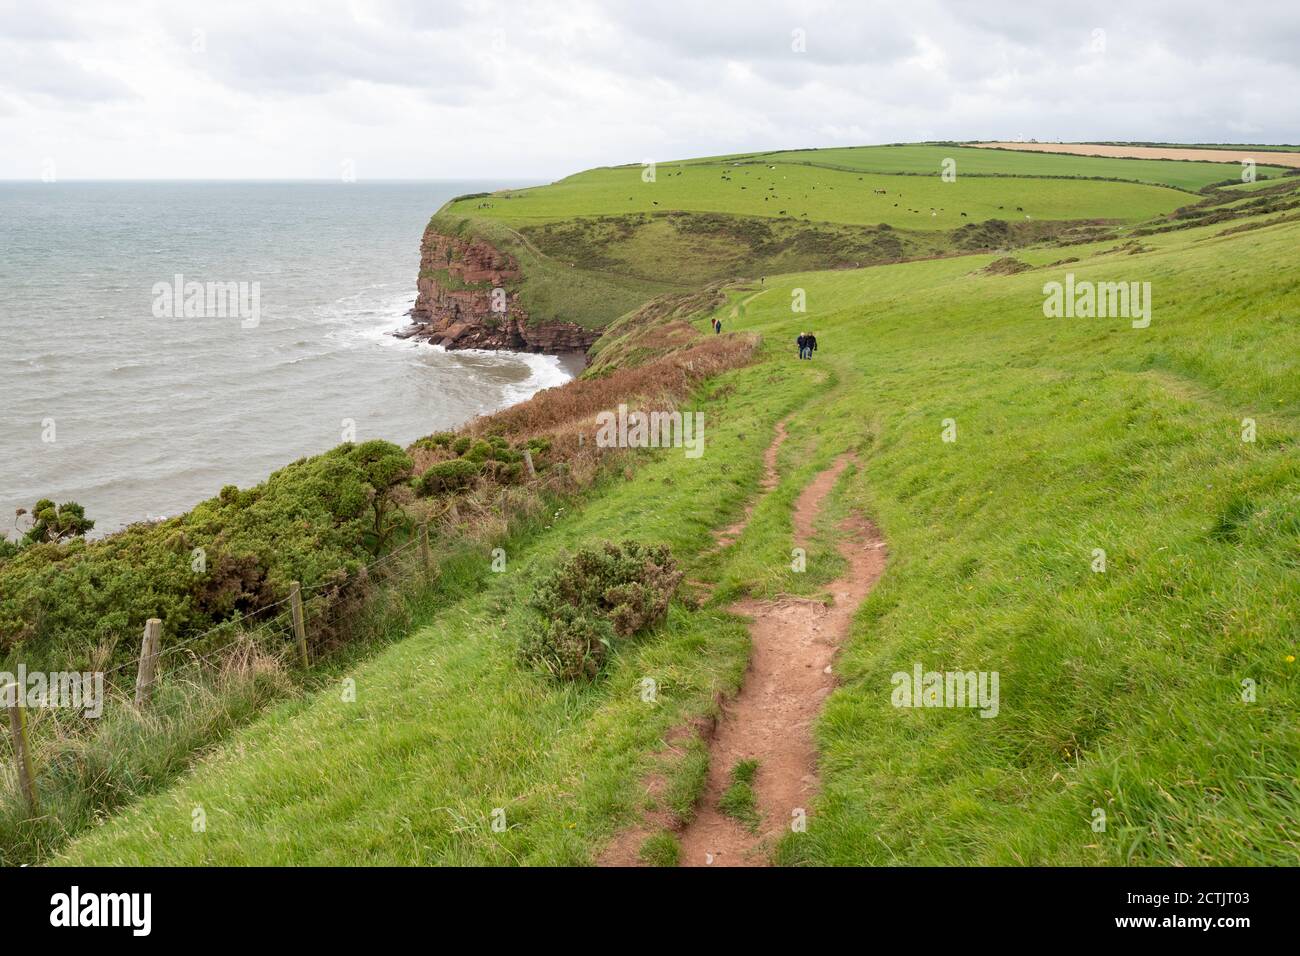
(462, 444)
(436, 440)
(51, 522)
(572, 644)
(628, 584)
(447, 476)
(505, 473)
(597, 596)
(316, 520)
(384, 466)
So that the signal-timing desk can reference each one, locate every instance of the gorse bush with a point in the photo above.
(595, 598)
(317, 520)
(51, 522)
(571, 645)
(447, 476)
(491, 457)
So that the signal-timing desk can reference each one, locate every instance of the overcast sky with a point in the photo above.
(227, 89)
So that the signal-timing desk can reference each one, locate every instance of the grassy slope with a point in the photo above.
(1120, 690)
(447, 727)
(596, 245)
(927, 160)
(822, 195)
(556, 290)
(1259, 184)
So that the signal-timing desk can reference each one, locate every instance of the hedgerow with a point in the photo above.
(315, 521)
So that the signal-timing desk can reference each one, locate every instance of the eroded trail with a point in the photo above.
(624, 849)
(771, 719)
(771, 477)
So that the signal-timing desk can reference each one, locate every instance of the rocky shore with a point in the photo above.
(468, 299)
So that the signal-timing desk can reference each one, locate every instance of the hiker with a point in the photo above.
(800, 342)
(718, 328)
(810, 344)
(713, 323)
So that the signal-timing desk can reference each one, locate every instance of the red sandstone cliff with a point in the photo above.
(456, 310)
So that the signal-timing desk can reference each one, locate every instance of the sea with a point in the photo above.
(159, 340)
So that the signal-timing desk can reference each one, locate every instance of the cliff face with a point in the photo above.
(454, 307)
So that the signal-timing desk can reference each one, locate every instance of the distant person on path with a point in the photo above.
(713, 323)
(810, 344)
(718, 328)
(800, 341)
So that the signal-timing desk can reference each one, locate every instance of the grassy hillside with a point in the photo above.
(1121, 690)
(818, 194)
(927, 160)
(556, 288)
(598, 244)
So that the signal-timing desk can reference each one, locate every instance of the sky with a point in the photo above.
(398, 89)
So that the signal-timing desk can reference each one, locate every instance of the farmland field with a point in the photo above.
(927, 160)
(796, 191)
(1278, 157)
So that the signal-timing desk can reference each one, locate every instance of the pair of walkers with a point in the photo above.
(807, 343)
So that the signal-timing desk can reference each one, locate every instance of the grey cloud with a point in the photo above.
(40, 72)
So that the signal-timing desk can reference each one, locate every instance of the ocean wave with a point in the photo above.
(546, 372)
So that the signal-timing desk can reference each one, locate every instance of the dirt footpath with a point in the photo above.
(790, 674)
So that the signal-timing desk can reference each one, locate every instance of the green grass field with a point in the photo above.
(926, 160)
(595, 245)
(1259, 184)
(796, 191)
(1122, 691)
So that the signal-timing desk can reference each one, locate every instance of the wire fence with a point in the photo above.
(278, 627)
(313, 620)
(312, 598)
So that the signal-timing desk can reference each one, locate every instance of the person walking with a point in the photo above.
(718, 328)
(810, 344)
(800, 342)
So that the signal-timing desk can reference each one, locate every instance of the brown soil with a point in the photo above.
(790, 675)
(1262, 157)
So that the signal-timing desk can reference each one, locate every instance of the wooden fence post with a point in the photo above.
(528, 463)
(150, 645)
(299, 626)
(455, 513)
(425, 559)
(13, 700)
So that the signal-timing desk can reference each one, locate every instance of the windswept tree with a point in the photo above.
(385, 468)
(52, 523)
